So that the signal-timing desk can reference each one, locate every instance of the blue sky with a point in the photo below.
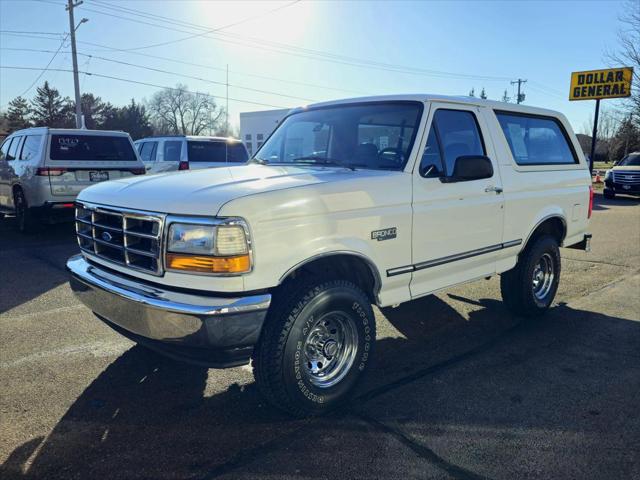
(453, 46)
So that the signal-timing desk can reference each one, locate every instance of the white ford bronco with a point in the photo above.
(349, 203)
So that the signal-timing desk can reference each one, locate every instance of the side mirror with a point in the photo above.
(470, 167)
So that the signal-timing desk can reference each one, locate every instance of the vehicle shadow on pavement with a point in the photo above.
(602, 203)
(35, 263)
(149, 417)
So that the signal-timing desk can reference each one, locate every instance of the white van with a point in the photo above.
(184, 152)
(42, 170)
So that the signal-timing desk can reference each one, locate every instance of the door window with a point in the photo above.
(4, 150)
(31, 147)
(431, 163)
(14, 148)
(459, 135)
(172, 150)
(148, 151)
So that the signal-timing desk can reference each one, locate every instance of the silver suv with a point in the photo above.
(184, 152)
(42, 170)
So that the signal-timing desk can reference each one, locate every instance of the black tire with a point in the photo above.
(25, 220)
(521, 292)
(281, 362)
(609, 194)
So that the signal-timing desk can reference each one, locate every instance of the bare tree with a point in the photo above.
(179, 111)
(629, 52)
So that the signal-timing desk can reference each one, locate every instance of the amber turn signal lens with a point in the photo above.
(205, 264)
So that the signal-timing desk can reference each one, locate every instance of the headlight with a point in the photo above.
(209, 248)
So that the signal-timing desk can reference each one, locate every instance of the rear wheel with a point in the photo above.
(529, 288)
(24, 215)
(315, 345)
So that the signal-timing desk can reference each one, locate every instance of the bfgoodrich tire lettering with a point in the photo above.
(302, 321)
(529, 288)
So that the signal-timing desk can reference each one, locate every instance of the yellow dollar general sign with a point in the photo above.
(597, 84)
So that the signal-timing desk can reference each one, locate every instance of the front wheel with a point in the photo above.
(315, 345)
(609, 194)
(530, 287)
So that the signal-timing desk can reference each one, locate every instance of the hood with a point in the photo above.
(619, 168)
(204, 192)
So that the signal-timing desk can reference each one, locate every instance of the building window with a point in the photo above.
(260, 137)
(259, 144)
(247, 137)
(249, 147)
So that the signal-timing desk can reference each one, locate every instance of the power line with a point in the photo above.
(45, 68)
(111, 77)
(209, 67)
(233, 24)
(144, 67)
(311, 54)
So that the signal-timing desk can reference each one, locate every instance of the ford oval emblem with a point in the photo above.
(106, 236)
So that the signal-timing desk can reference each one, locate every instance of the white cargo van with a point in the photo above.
(42, 170)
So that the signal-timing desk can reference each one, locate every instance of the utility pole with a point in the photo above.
(226, 122)
(76, 82)
(520, 97)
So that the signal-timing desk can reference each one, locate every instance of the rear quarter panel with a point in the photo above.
(535, 193)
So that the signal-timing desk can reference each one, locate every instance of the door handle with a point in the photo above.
(497, 190)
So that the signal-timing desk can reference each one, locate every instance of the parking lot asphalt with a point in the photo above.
(459, 388)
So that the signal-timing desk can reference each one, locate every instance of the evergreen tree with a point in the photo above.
(132, 118)
(49, 109)
(483, 94)
(18, 114)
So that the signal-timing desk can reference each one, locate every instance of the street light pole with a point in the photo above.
(76, 82)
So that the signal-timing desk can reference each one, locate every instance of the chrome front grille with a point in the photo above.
(626, 177)
(125, 237)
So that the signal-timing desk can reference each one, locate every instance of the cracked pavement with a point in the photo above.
(459, 388)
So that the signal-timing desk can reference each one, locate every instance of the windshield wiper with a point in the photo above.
(322, 161)
(260, 161)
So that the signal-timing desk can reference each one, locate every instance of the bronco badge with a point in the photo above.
(385, 234)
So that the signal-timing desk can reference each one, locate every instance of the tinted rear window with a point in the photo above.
(91, 147)
(206, 151)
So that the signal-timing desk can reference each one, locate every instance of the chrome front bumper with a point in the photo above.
(208, 330)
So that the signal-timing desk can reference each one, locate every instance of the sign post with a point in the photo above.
(597, 85)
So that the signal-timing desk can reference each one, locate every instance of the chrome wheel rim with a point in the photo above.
(543, 275)
(330, 349)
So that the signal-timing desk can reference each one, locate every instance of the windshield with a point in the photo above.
(91, 147)
(368, 135)
(631, 160)
(212, 151)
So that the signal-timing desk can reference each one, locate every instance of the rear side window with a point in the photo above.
(14, 149)
(203, 151)
(536, 140)
(148, 151)
(4, 151)
(91, 148)
(172, 150)
(31, 147)
(236, 153)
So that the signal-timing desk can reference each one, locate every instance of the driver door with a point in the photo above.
(457, 227)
